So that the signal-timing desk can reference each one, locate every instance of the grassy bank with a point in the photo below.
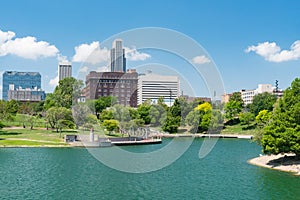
(238, 129)
(25, 137)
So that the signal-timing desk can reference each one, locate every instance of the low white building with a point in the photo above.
(247, 95)
(153, 86)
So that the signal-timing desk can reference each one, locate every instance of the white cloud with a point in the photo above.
(84, 69)
(5, 36)
(103, 69)
(91, 53)
(54, 82)
(62, 58)
(200, 60)
(273, 53)
(133, 55)
(26, 47)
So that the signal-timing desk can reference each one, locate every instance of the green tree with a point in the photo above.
(232, 109)
(106, 115)
(63, 123)
(80, 113)
(282, 134)
(49, 101)
(55, 114)
(111, 124)
(5, 113)
(171, 124)
(264, 101)
(13, 107)
(144, 112)
(103, 103)
(1, 125)
(203, 118)
(237, 97)
(247, 118)
(263, 118)
(67, 92)
(158, 114)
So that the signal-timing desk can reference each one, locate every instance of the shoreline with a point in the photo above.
(282, 162)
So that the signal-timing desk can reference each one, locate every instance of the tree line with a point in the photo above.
(275, 121)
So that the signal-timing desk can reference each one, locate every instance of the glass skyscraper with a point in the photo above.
(117, 57)
(13, 81)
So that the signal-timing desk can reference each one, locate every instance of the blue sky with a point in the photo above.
(250, 42)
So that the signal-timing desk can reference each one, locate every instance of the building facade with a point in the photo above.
(117, 57)
(13, 80)
(247, 95)
(64, 70)
(31, 95)
(121, 85)
(225, 98)
(153, 86)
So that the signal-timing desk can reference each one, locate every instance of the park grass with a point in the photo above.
(18, 136)
(5, 142)
(18, 120)
(237, 129)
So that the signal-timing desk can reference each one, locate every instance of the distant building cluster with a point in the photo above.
(129, 87)
(248, 95)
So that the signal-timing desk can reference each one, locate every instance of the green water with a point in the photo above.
(72, 173)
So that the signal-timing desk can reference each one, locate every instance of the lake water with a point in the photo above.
(73, 173)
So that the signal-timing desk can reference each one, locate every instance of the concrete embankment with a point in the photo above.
(203, 136)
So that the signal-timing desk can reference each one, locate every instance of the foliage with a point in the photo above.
(264, 101)
(237, 97)
(55, 114)
(67, 92)
(158, 114)
(1, 125)
(232, 109)
(263, 118)
(103, 103)
(80, 113)
(5, 112)
(111, 124)
(49, 101)
(13, 107)
(144, 112)
(282, 134)
(206, 107)
(246, 118)
(106, 115)
(63, 123)
(171, 124)
(203, 118)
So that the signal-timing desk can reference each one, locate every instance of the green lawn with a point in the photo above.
(21, 136)
(237, 129)
(5, 142)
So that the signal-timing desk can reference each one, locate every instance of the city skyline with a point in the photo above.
(250, 42)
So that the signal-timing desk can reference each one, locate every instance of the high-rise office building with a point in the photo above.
(121, 85)
(117, 57)
(64, 70)
(23, 86)
(153, 86)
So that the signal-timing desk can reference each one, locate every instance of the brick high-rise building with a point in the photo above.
(121, 85)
